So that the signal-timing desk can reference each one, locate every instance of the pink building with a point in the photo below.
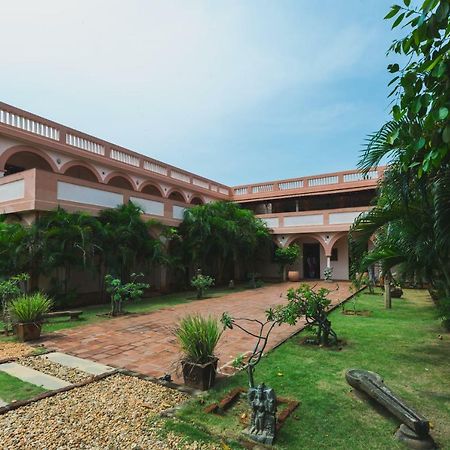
(44, 164)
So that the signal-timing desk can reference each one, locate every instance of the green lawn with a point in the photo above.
(91, 313)
(401, 344)
(11, 388)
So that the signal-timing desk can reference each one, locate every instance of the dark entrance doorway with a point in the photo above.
(311, 261)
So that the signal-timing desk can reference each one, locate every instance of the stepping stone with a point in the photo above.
(2, 403)
(33, 376)
(74, 362)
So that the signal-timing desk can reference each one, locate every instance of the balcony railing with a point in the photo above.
(308, 220)
(307, 183)
(54, 132)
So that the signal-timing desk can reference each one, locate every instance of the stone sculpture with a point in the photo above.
(264, 407)
(415, 429)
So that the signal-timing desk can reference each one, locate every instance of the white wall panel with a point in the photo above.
(298, 221)
(12, 191)
(149, 206)
(90, 196)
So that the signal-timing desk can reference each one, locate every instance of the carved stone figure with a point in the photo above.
(263, 421)
(415, 429)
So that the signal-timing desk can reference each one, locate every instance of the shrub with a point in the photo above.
(10, 289)
(202, 283)
(328, 273)
(198, 337)
(30, 308)
(286, 256)
(121, 292)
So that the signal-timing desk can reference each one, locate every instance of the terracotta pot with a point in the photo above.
(28, 331)
(294, 275)
(199, 376)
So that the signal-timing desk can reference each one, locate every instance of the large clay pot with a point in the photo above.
(199, 376)
(294, 275)
(28, 331)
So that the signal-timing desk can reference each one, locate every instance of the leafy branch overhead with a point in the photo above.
(418, 136)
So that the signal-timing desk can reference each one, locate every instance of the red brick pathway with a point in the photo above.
(145, 342)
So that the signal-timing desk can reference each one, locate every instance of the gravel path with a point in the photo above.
(109, 414)
(14, 350)
(48, 367)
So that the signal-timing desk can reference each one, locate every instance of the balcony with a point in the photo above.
(327, 183)
(39, 190)
(312, 221)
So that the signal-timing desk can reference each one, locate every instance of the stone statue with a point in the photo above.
(414, 430)
(263, 421)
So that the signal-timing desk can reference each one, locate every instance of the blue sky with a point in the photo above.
(238, 91)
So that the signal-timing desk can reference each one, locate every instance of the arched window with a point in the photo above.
(81, 172)
(20, 161)
(120, 182)
(151, 190)
(175, 195)
(197, 201)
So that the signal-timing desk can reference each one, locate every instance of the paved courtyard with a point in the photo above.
(145, 342)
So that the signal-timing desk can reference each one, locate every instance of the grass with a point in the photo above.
(401, 344)
(93, 314)
(11, 388)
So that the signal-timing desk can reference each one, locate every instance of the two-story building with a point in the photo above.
(44, 164)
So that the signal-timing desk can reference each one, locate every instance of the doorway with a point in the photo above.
(311, 261)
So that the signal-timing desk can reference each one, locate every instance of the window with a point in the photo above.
(334, 254)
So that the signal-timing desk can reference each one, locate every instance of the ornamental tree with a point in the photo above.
(286, 256)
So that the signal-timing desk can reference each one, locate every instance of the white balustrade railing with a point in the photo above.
(296, 184)
(262, 188)
(358, 176)
(201, 183)
(30, 125)
(321, 181)
(180, 176)
(85, 144)
(241, 191)
(153, 167)
(124, 157)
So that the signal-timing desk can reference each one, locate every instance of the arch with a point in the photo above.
(334, 239)
(151, 189)
(81, 170)
(176, 196)
(197, 201)
(120, 180)
(22, 157)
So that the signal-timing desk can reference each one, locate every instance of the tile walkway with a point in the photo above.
(145, 342)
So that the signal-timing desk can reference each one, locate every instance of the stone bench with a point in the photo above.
(74, 315)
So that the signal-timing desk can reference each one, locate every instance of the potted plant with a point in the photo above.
(198, 337)
(27, 312)
(328, 274)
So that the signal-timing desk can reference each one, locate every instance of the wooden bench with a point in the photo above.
(74, 315)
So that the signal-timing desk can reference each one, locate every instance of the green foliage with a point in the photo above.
(222, 237)
(198, 337)
(10, 289)
(202, 283)
(411, 216)
(309, 303)
(30, 308)
(328, 273)
(286, 256)
(418, 137)
(123, 292)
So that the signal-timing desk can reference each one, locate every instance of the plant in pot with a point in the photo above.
(202, 283)
(27, 312)
(198, 337)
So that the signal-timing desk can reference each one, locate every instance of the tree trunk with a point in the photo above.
(387, 291)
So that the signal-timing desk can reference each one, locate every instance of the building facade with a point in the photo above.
(44, 164)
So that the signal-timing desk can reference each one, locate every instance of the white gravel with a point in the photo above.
(42, 364)
(109, 414)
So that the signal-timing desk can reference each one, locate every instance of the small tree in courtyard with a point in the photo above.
(286, 256)
(10, 289)
(121, 292)
(313, 305)
(202, 283)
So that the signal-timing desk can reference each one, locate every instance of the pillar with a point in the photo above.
(328, 261)
(387, 291)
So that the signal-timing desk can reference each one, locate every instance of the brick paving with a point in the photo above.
(145, 342)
